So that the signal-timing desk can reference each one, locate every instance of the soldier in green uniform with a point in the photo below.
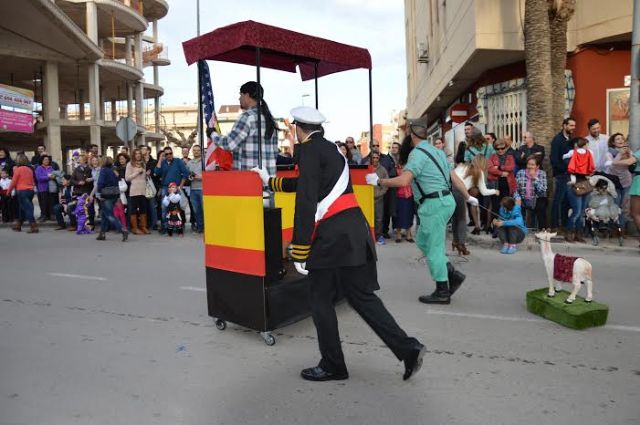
(332, 243)
(431, 177)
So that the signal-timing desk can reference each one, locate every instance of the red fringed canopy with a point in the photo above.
(280, 49)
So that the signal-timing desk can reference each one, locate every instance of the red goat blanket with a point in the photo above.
(563, 268)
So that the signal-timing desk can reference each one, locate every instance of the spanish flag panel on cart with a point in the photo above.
(234, 222)
(363, 192)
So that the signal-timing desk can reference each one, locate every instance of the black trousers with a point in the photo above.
(355, 283)
(537, 217)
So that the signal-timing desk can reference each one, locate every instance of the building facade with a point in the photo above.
(85, 61)
(465, 61)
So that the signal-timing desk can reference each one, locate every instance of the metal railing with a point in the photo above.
(154, 51)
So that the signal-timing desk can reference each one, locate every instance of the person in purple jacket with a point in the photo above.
(47, 187)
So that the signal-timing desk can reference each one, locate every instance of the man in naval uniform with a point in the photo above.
(332, 243)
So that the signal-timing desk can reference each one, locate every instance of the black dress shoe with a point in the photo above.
(456, 278)
(319, 374)
(413, 363)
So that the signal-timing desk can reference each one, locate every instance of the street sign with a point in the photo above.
(126, 129)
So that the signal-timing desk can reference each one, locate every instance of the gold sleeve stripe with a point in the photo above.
(280, 181)
(301, 247)
(299, 257)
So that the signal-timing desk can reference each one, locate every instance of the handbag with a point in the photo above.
(122, 185)
(582, 187)
(110, 192)
(150, 190)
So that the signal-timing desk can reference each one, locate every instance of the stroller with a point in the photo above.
(603, 214)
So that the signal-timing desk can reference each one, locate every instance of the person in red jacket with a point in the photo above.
(500, 174)
(581, 166)
(22, 182)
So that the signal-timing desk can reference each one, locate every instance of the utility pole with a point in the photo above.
(200, 131)
(634, 100)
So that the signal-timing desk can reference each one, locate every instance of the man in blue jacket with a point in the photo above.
(559, 146)
(169, 170)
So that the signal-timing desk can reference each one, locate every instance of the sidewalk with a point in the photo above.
(606, 246)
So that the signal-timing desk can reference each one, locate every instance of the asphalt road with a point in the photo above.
(112, 333)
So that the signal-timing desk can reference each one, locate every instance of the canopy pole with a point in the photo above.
(259, 108)
(316, 78)
(200, 130)
(370, 112)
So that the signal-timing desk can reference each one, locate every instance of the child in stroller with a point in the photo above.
(603, 213)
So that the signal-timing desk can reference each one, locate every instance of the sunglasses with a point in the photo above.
(501, 149)
(376, 146)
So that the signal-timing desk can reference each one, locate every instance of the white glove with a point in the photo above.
(568, 154)
(264, 175)
(372, 179)
(301, 268)
(472, 201)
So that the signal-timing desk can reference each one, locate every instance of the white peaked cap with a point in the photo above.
(307, 115)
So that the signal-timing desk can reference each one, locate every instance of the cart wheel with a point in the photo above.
(596, 241)
(268, 338)
(221, 324)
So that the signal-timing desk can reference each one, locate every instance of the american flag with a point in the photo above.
(208, 110)
(207, 93)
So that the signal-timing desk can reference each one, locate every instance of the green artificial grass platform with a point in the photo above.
(579, 315)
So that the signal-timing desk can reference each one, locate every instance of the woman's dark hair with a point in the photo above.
(122, 154)
(535, 158)
(476, 139)
(22, 160)
(508, 203)
(493, 136)
(43, 157)
(612, 139)
(6, 153)
(256, 92)
(405, 150)
(349, 154)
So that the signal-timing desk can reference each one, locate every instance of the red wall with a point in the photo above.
(595, 71)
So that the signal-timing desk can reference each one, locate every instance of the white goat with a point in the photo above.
(581, 271)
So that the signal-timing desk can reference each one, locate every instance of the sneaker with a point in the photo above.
(511, 250)
(504, 249)
(381, 240)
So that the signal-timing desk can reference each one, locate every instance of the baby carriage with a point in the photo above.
(603, 214)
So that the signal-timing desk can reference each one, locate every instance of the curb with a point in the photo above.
(559, 245)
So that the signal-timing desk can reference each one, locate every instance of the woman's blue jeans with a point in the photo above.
(25, 205)
(620, 200)
(107, 216)
(577, 205)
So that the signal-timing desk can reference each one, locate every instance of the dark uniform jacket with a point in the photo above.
(342, 240)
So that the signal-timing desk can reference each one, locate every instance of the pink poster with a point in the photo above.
(15, 121)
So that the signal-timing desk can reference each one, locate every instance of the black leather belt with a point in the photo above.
(434, 195)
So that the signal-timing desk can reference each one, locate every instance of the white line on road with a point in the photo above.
(520, 319)
(78, 276)
(193, 288)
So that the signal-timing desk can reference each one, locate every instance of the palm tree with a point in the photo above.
(537, 48)
(560, 12)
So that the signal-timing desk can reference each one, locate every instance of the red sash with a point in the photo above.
(344, 202)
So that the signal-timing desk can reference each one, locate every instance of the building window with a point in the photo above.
(507, 114)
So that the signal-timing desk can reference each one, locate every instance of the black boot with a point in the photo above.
(456, 278)
(125, 235)
(101, 236)
(439, 296)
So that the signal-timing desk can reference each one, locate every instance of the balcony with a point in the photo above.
(155, 54)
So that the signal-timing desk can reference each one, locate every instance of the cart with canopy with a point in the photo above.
(248, 280)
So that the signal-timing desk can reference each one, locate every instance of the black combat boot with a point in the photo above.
(456, 278)
(439, 296)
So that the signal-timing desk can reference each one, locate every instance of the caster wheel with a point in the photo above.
(221, 324)
(270, 340)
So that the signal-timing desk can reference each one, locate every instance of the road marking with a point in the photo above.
(519, 319)
(78, 276)
(193, 288)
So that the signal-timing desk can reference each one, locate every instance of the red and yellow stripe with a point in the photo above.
(234, 222)
(362, 191)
